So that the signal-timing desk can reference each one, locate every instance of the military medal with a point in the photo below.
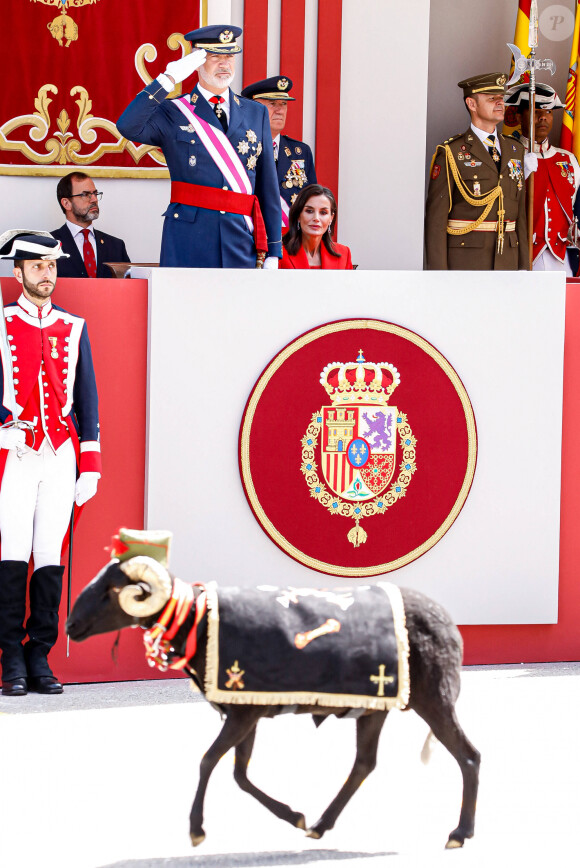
(288, 152)
(476, 188)
(53, 352)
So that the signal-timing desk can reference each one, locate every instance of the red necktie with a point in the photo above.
(89, 255)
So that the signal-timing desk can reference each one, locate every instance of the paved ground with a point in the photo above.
(103, 777)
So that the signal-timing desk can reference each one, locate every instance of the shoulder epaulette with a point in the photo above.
(452, 138)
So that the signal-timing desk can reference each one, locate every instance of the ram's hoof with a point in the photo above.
(301, 822)
(196, 840)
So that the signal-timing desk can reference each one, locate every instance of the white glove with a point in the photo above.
(181, 69)
(530, 164)
(12, 438)
(86, 487)
(271, 263)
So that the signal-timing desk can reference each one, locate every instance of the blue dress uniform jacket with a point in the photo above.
(198, 237)
(63, 354)
(109, 249)
(291, 179)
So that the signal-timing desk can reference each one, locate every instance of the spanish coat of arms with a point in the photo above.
(361, 446)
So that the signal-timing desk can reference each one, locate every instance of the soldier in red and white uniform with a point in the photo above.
(50, 431)
(556, 180)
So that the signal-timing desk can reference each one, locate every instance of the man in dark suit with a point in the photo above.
(88, 249)
(294, 161)
(224, 210)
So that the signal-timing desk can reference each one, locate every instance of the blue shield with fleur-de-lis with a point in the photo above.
(358, 449)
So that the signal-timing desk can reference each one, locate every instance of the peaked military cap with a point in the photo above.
(489, 82)
(29, 244)
(217, 38)
(546, 97)
(276, 87)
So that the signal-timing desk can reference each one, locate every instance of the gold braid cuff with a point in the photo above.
(485, 201)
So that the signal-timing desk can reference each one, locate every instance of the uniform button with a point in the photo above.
(15, 369)
(224, 188)
(501, 176)
(65, 359)
(10, 337)
(8, 319)
(16, 381)
(66, 340)
(176, 216)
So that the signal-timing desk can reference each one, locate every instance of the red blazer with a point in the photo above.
(327, 261)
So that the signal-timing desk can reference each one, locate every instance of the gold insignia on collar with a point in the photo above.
(251, 136)
(226, 36)
(236, 100)
(282, 83)
(298, 150)
(288, 152)
(194, 98)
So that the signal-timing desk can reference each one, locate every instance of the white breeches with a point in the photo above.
(36, 499)
(546, 261)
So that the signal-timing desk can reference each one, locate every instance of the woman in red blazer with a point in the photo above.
(308, 242)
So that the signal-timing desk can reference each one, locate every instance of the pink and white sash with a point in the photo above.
(220, 150)
(285, 212)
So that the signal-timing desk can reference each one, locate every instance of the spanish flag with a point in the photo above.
(521, 40)
(570, 135)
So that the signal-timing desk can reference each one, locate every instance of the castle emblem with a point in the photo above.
(358, 443)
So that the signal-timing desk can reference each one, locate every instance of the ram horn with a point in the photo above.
(150, 589)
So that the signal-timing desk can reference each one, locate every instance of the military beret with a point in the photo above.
(546, 97)
(276, 87)
(490, 82)
(29, 244)
(217, 38)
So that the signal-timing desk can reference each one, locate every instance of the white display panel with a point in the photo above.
(212, 332)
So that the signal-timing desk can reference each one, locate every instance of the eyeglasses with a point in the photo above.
(87, 195)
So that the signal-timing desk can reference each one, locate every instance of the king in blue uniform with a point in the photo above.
(206, 235)
(294, 161)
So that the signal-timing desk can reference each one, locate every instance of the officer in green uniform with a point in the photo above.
(475, 215)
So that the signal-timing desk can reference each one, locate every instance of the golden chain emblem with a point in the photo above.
(63, 28)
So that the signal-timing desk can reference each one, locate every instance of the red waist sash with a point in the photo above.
(216, 199)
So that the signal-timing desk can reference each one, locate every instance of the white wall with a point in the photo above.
(499, 561)
(382, 131)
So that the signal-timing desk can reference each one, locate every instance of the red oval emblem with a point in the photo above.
(358, 466)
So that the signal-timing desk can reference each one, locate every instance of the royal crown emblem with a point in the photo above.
(353, 444)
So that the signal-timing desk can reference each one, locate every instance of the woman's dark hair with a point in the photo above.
(292, 240)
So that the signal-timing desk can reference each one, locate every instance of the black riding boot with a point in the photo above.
(42, 627)
(13, 575)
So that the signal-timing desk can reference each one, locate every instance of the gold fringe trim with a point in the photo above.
(324, 700)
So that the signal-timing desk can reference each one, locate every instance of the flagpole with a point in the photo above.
(532, 42)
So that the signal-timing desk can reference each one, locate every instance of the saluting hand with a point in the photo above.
(179, 70)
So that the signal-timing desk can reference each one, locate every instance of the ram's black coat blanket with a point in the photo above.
(275, 646)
